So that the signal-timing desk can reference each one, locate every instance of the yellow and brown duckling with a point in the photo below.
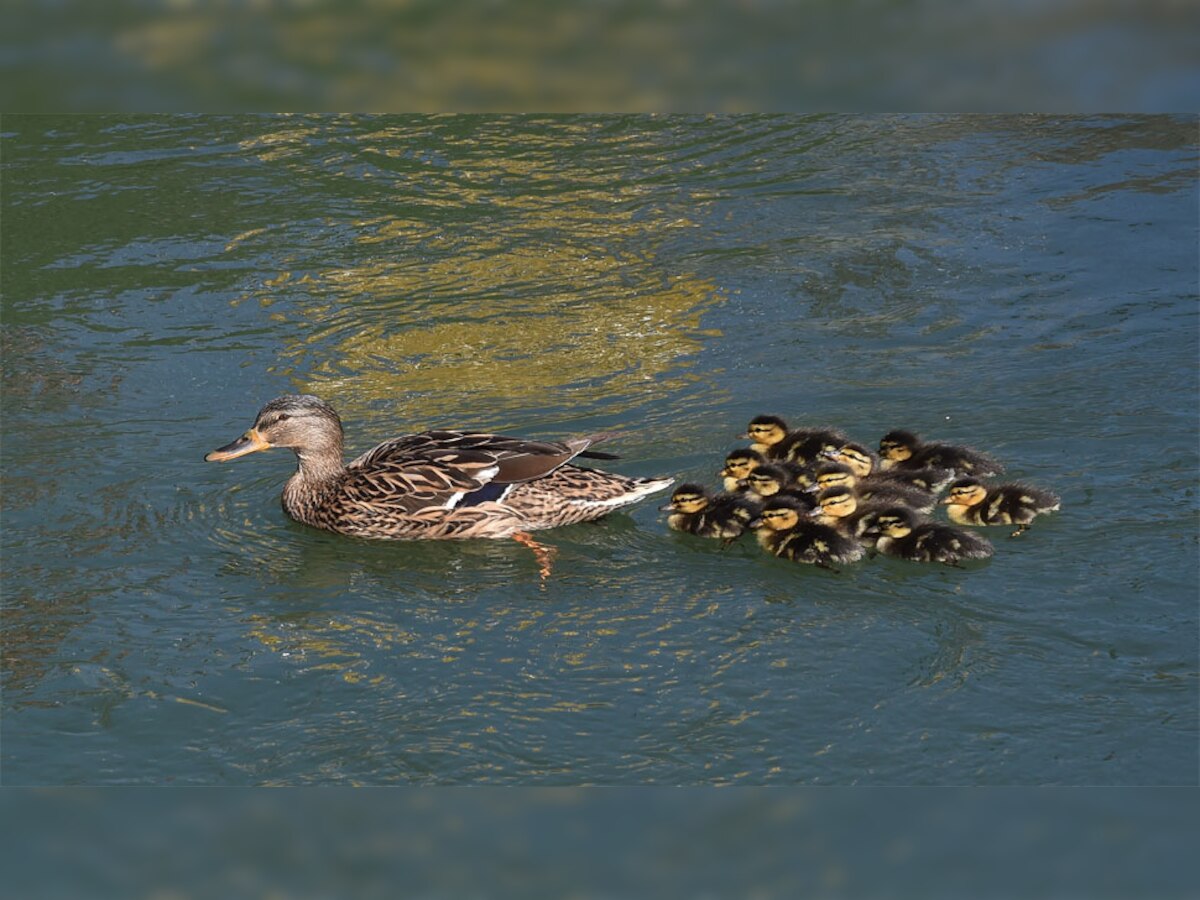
(866, 464)
(862, 462)
(905, 450)
(695, 511)
(970, 502)
(785, 529)
(770, 480)
(873, 488)
(904, 534)
(840, 508)
(738, 466)
(435, 484)
(772, 438)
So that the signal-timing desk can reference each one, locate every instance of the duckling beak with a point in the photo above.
(667, 507)
(756, 522)
(250, 442)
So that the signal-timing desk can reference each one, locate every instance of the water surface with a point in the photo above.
(1023, 284)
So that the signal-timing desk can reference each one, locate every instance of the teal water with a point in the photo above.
(1027, 285)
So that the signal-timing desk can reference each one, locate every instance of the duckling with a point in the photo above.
(862, 462)
(866, 464)
(905, 450)
(784, 529)
(839, 507)
(970, 502)
(770, 480)
(873, 487)
(738, 466)
(772, 438)
(902, 533)
(695, 511)
(811, 448)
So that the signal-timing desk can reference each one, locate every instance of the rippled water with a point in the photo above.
(1024, 284)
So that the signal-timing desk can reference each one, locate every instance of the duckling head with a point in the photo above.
(897, 446)
(688, 499)
(860, 460)
(836, 502)
(779, 514)
(894, 522)
(738, 466)
(833, 474)
(765, 432)
(768, 480)
(965, 492)
(304, 423)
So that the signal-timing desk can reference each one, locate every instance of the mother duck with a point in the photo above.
(435, 484)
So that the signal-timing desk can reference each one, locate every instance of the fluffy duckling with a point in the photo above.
(772, 438)
(770, 480)
(970, 502)
(902, 533)
(738, 466)
(873, 488)
(866, 464)
(785, 529)
(694, 510)
(862, 462)
(840, 508)
(905, 450)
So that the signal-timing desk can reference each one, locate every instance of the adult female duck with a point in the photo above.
(432, 485)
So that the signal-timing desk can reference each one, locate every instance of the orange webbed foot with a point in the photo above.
(543, 554)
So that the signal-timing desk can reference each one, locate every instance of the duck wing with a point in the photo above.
(440, 468)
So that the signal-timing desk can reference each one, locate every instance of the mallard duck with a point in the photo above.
(900, 532)
(873, 488)
(784, 529)
(970, 502)
(840, 508)
(862, 462)
(865, 464)
(905, 450)
(694, 510)
(432, 485)
(772, 438)
(738, 465)
(769, 480)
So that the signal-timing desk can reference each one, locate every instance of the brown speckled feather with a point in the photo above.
(436, 484)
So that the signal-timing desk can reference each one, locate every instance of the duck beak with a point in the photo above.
(755, 523)
(669, 507)
(250, 442)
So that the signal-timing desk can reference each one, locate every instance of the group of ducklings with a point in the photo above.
(813, 495)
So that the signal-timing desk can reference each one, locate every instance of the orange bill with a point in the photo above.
(250, 442)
